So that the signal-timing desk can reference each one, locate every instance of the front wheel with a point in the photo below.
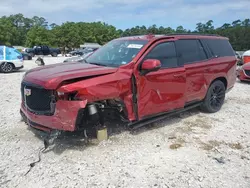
(215, 97)
(6, 67)
(32, 54)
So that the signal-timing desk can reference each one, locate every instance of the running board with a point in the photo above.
(143, 122)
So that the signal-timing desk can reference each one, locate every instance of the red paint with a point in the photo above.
(51, 76)
(154, 97)
(150, 64)
(63, 119)
(158, 91)
(246, 59)
(241, 73)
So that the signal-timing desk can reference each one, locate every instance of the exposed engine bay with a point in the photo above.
(101, 114)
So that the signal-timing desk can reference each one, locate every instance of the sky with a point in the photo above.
(129, 13)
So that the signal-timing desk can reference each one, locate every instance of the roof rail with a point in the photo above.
(193, 34)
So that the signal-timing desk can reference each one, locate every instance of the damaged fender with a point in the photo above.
(104, 87)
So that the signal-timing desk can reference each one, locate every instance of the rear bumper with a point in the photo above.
(64, 118)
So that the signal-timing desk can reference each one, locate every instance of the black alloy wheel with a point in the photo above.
(215, 97)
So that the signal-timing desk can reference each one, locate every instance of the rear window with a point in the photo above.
(219, 47)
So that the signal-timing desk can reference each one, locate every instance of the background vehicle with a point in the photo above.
(78, 58)
(239, 58)
(246, 57)
(136, 80)
(81, 52)
(43, 50)
(26, 56)
(243, 72)
(10, 59)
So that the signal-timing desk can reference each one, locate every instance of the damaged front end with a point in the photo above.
(73, 106)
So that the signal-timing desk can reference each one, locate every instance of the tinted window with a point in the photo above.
(165, 52)
(220, 47)
(190, 51)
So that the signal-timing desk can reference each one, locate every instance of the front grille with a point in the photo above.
(37, 99)
(247, 72)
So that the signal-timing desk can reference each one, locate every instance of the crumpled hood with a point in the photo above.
(50, 76)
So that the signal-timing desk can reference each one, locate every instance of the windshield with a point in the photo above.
(116, 52)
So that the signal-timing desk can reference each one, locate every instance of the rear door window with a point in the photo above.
(219, 47)
(190, 51)
(165, 53)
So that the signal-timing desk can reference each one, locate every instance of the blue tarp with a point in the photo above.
(8, 53)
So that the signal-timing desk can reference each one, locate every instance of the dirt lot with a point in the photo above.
(189, 150)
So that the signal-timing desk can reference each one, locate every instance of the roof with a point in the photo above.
(179, 36)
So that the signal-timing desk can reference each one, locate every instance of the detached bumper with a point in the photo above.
(64, 118)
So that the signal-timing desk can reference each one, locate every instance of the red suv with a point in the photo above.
(137, 79)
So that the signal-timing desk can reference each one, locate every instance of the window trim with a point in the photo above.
(209, 52)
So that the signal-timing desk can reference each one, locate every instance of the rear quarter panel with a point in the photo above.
(221, 67)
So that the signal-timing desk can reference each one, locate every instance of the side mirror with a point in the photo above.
(150, 65)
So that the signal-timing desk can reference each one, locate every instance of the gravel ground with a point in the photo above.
(193, 149)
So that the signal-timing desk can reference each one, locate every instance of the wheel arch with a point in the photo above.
(222, 79)
(9, 63)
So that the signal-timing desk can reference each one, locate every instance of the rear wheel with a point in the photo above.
(6, 67)
(215, 97)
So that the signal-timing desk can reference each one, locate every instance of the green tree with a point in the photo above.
(19, 30)
(38, 35)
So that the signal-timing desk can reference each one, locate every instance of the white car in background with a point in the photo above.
(10, 59)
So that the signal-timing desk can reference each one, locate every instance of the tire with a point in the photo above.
(32, 54)
(7, 67)
(54, 54)
(215, 97)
